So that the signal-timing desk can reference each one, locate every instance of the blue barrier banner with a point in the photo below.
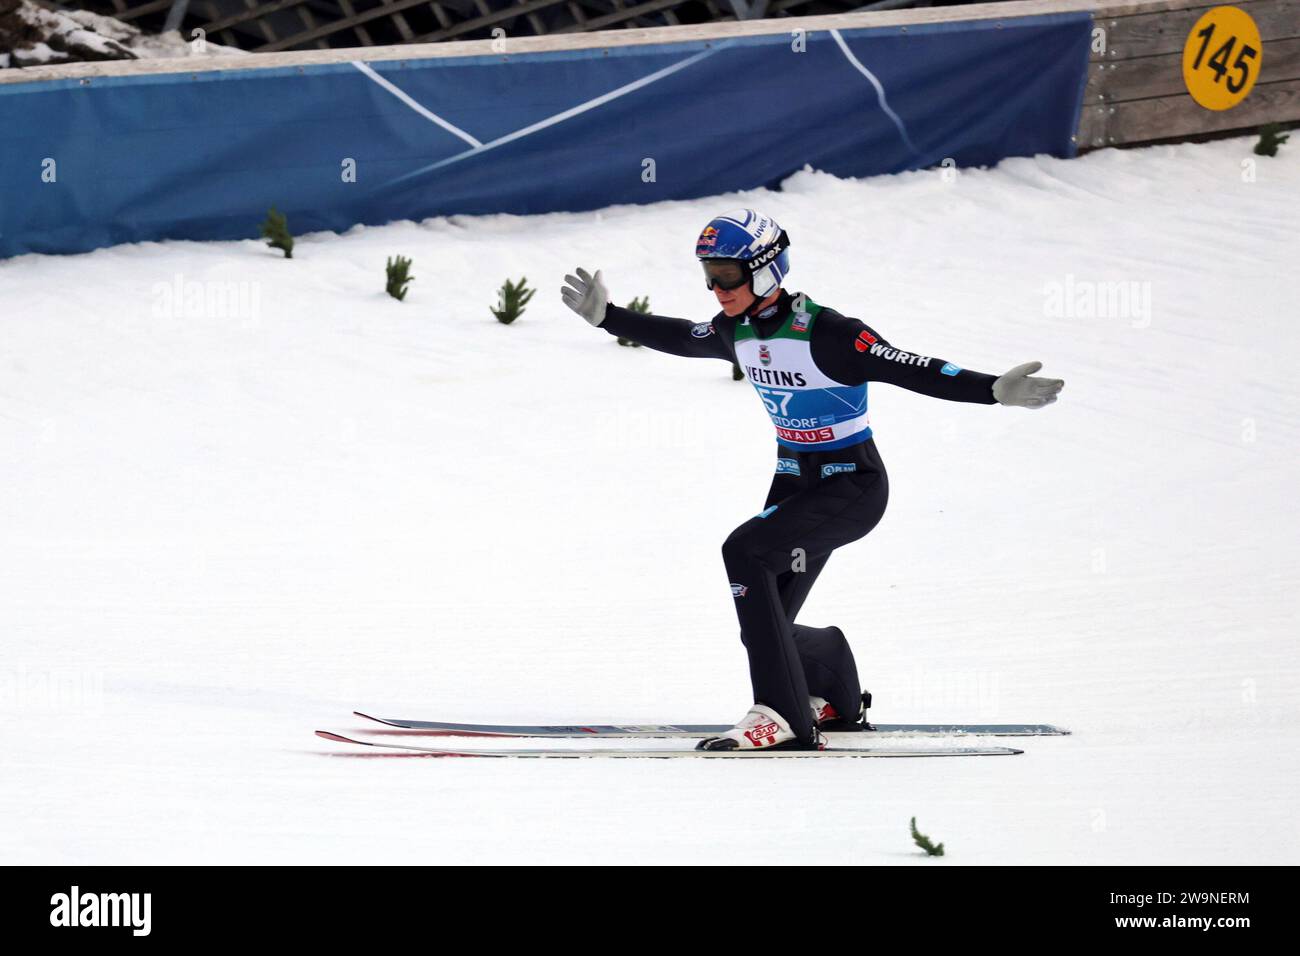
(204, 155)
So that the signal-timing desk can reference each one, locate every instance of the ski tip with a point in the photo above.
(378, 720)
(339, 738)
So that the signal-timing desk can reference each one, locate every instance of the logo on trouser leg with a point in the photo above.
(835, 467)
(739, 590)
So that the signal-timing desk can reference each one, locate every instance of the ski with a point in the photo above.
(555, 753)
(438, 728)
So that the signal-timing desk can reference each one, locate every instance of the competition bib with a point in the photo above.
(810, 410)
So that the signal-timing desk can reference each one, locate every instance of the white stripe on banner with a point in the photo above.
(432, 117)
(880, 90)
(566, 114)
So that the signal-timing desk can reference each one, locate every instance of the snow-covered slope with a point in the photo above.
(220, 532)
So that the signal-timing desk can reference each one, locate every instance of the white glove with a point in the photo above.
(1020, 387)
(586, 295)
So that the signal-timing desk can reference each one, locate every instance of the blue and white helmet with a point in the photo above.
(752, 239)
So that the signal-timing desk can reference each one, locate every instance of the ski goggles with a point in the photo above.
(729, 274)
(725, 274)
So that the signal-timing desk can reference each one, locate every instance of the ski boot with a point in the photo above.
(763, 728)
(829, 720)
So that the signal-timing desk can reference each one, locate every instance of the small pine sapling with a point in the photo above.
(512, 297)
(399, 277)
(1270, 138)
(276, 231)
(924, 842)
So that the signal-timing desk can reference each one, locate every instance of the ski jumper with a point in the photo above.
(810, 366)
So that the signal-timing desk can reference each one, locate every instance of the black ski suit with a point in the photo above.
(824, 499)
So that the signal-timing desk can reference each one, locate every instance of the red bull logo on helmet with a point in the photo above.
(708, 239)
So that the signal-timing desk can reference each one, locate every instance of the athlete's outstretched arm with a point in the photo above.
(586, 295)
(675, 336)
(855, 353)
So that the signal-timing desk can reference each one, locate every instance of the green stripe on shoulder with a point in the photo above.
(797, 325)
(804, 312)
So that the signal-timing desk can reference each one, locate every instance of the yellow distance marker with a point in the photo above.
(1222, 58)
